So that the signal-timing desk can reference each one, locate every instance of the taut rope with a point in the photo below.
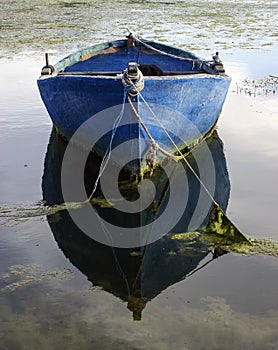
(181, 155)
(194, 60)
(156, 145)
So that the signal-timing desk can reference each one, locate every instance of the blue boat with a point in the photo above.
(146, 100)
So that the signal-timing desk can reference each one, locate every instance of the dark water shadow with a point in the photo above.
(134, 275)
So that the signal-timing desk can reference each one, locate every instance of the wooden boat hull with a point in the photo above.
(187, 105)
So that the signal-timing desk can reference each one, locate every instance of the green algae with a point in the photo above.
(102, 202)
(188, 236)
(265, 246)
(19, 276)
(193, 24)
(12, 214)
(220, 224)
(219, 233)
(265, 86)
(254, 246)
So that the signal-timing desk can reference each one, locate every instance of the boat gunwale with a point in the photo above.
(105, 48)
(119, 76)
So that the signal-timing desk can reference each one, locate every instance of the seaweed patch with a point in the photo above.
(265, 246)
(262, 87)
(13, 214)
(19, 276)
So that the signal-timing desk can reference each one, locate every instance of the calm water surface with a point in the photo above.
(53, 293)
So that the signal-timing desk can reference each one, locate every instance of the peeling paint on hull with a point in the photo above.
(186, 105)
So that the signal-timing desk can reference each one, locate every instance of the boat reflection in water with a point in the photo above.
(135, 275)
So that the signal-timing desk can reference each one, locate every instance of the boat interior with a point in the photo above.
(113, 59)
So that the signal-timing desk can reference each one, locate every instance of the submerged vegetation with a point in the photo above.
(219, 234)
(19, 276)
(265, 246)
(262, 87)
(228, 24)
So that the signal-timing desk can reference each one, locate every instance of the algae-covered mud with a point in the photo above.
(212, 287)
(19, 276)
(218, 234)
(30, 25)
(263, 87)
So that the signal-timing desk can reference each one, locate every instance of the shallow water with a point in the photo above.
(51, 295)
(202, 25)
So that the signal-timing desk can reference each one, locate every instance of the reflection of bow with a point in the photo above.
(216, 253)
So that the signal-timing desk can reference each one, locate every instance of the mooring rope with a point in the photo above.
(193, 60)
(154, 143)
(103, 165)
(179, 151)
(129, 81)
(170, 138)
(182, 156)
(107, 154)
